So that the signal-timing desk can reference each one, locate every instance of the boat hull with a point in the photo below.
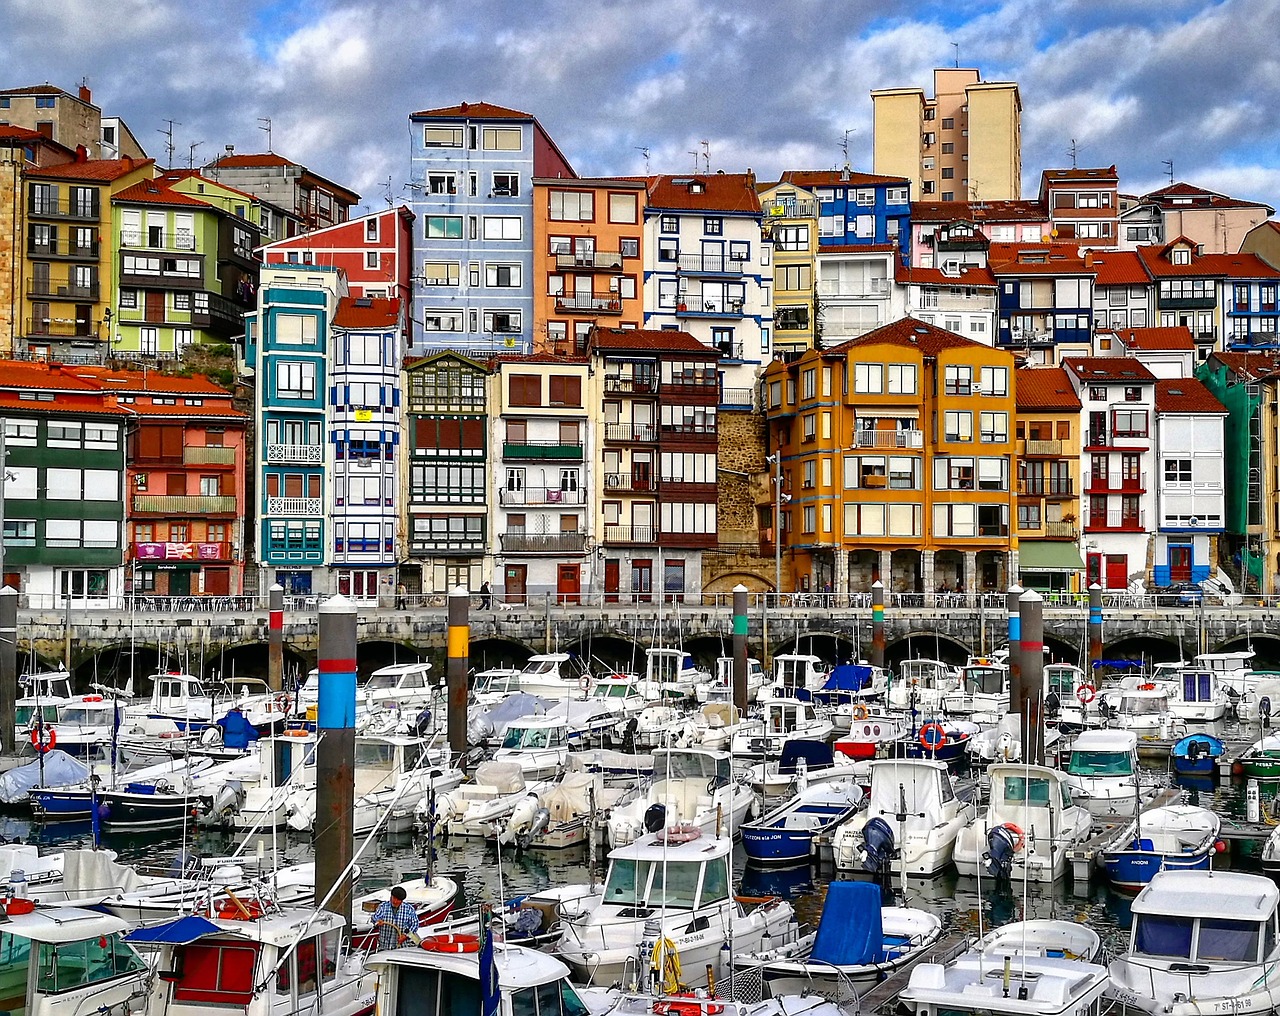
(1130, 870)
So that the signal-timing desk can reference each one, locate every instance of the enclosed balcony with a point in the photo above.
(186, 504)
(588, 261)
(158, 239)
(889, 438)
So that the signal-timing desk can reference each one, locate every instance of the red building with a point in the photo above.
(375, 250)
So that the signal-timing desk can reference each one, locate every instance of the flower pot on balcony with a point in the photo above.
(681, 308)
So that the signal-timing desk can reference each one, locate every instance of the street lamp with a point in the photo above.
(779, 498)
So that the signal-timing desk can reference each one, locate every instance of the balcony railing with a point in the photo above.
(1040, 486)
(791, 209)
(696, 308)
(710, 264)
(630, 432)
(1035, 448)
(606, 261)
(208, 455)
(307, 506)
(1061, 531)
(84, 211)
(630, 534)
(543, 543)
(1114, 483)
(866, 288)
(1118, 521)
(541, 450)
(690, 431)
(181, 239)
(623, 482)
(738, 397)
(62, 249)
(186, 504)
(888, 438)
(63, 328)
(302, 454)
(541, 495)
(594, 304)
(53, 290)
(163, 279)
(630, 385)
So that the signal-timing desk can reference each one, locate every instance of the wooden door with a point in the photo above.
(217, 581)
(154, 306)
(568, 584)
(514, 582)
(180, 583)
(1117, 571)
(612, 580)
(1179, 563)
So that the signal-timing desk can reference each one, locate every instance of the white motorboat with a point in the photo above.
(1003, 742)
(670, 674)
(1139, 705)
(983, 692)
(720, 687)
(495, 684)
(618, 694)
(1231, 669)
(476, 809)
(565, 815)
(871, 735)
(1028, 828)
(782, 720)
(927, 683)
(1173, 838)
(794, 672)
(690, 787)
(539, 745)
(712, 726)
(42, 693)
(1197, 695)
(552, 676)
(910, 823)
(1069, 940)
(658, 724)
(803, 763)
(670, 890)
(1102, 773)
(185, 703)
(1202, 942)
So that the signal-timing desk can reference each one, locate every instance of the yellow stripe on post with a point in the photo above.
(459, 640)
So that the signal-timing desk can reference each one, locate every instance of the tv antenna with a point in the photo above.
(1168, 165)
(168, 136)
(956, 47)
(844, 145)
(695, 160)
(191, 153)
(1074, 150)
(264, 124)
(706, 156)
(645, 152)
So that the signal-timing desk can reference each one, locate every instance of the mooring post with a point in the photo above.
(1031, 620)
(275, 637)
(740, 648)
(335, 755)
(459, 650)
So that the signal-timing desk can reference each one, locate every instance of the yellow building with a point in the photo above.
(1048, 436)
(791, 222)
(963, 144)
(897, 462)
(68, 266)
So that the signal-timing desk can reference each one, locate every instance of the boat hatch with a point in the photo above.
(1203, 939)
(62, 966)
(213, 973)
(636, 883)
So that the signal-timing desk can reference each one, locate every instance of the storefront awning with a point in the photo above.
(1049, 556)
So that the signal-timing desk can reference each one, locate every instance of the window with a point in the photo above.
(444, 227)
(994, 428)
(713, 226)
(442, 137)
(902, 379)
(791, 238)
(503, 322)
(868, 378)
(1129, 423)
(947, 172)
(506, 185)
(791, 318)
(809, 383)
(128, 299)
(502, 276)
(629, 248)
(1181, 256)
(1028, 516)
(441, 273)
(442, 321)
(1177, 471)
(959, 379)
(295, 329)
(668, 249)
(503, 227)
(958, 425)
(572, 206)
(810, 427)
(295, 380)
(669, 224)
(501, 139)
(792, 277)
(622, 208)
(524, 390)
(442, 183)
(995, 381)
(565, 390)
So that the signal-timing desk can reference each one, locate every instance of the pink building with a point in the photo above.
(375, 250)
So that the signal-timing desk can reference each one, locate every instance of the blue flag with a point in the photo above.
(488, 966)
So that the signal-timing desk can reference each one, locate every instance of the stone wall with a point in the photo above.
(738, 558)
(10, 252)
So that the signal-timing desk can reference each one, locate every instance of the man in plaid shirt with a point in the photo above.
(395, 920)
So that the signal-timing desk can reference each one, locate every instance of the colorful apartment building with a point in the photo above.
(856, 291)
(73, 121)
(1048, 449)
(70, 259)
(898, 462)
(63, 502)
(994, 221)
(588, 264)
(447, 526)
(1123, 293)
(1215, 223)
(791, 224)
(857, 208)
(962, 144)
(297, 199)
(187, 467)
(960, 299)
(540, 432)
(1083, 205)
(1045, 300)
(655, 466)
(472, 171)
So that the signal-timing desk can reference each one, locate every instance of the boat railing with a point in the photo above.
(843, 981)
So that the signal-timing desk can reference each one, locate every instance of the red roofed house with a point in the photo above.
(1215, 223)
(960, 298)
(1083, 205)
(306, 200)
(1045, 300)
(73, 121)
(1123, 294)
(998, 221)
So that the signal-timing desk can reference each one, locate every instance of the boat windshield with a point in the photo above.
(1021, 790)
(1100, 763)
(1164, 935)
(692, 766)
(25, 714)
(526, 737)
(1062, 681)
(66, 965)
(556, 998)
(375, 755)
(1136, 705)
(628, 883)
(612, 689)
(539, 667)
(382, 682)
(983, 680)
(1227, 941)
(86, 716)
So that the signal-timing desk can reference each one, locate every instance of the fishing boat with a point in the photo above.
(691, 787)
(1197, 695)
(720, 687)
(1196, 755)
(1202, 942)
(850, 683)
(1261, 760)
(870, 735)
(1173, 838)
(1102, 772)
(786, 835)
(1233, 670)
(670, 674)
(782, 720)
(670, 888)
(793, 672)
(927, 683)
(183, 702)
(806, 762)
(910, 824)
(1028, 829)
(859, 942)
(431, 898)
(983, 690)
(41, 693)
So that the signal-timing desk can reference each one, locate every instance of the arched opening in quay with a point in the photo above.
(1266, 649)
(113, 666)
(925, 646)
(827, 646)
(604, 653)
(372, 655)
(253, 659)
(490, 653)
(1147, 649)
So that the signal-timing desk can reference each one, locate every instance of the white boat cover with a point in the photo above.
(95, 873)
(505, 777)
(60, 770)
(891, 781)
(571, 796)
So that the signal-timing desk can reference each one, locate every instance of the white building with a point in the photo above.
(961, 300)
(1124, 295)
(856, 291)
(1190, 441)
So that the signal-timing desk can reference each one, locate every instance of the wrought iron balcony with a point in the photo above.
(599, 261)
(295, 453)
(543, 543)
(306, 506)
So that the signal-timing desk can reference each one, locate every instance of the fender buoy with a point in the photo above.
(933, 737)
(235, 909)
(51, 739)
(1020, 837)
(451, 943)
(584, 683)
(1148, 686)
(282, 701)
(1086, 693)
(92, 698)
(293, 733)
(861, 712)
(680, 834)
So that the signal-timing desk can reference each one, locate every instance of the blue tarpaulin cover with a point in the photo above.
(848, 677)
(183, 931)
(850, 932)
(816, 754)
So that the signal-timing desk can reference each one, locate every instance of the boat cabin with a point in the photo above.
(1063, 680)
(399, 677)
(985, 679)
(1206, 917)
(1103, 753)
(724, 671)
(46, 691)
(785, 716)
(652, 874)
(1194, 685)
(794, 672)
(927, 674)
(172, 691)
(617, 693)
(685, 776)
(1032, 797)
(382, 758)
(496, 684)
(545, 665)
(536, 733)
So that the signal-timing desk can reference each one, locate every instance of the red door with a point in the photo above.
(611, 580)
(217, 581)
(1179, 563)
(568, 584)
(153, 306)
(1117, 571)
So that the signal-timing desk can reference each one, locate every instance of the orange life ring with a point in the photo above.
(451, 943)
(685, 1004)
(938, 741)
(861, 712)
(282, 701)
(1086, 693)
(1148, 686)
(294, 733)
(48, 744)
(1017, 831)
(235, 909)
(92, 698)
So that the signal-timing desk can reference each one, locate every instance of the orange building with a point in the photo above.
(898, 460)
(587, 260)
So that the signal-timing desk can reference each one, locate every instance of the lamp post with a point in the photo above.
(778, 498)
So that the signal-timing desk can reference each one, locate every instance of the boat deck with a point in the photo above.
(883, 998)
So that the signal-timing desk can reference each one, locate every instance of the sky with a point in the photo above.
(767, 84)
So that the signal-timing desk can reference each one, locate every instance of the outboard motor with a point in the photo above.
(1264, 710)
(877, 845)
(422, 723)
(1052, 703)
(541, 819)
(655, 818)
(1002, 844)
(1195, 749)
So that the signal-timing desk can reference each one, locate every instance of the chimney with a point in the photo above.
(86, 96)
(82, 153)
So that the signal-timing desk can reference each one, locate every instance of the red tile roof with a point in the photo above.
(1117, 268)
(1229, 266)
(1201, 197)
(1050, 259)
(475, 110)
(1186, 395)
(1250, 366)
(653, 339)
(173, 176)
(78, 404)
(367, 312)
(838, 178)
(220, 410)
(104, 170)
(12, 132)
(721, 192)
(857, 248)
(1044, 388)
(970, 275)
(1176, 338)
(33, 374)
(1107, 368)
(157, 192)
(1082, 174)
(139, 382)
(515, 359)
(907, 331)
(45, 89)
(978, 211)
(247, 161)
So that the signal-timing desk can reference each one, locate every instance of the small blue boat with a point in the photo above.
(1180, 837)
(786, 834)
(1197, 755)
(938, 740)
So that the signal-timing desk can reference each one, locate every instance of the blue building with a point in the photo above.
(1044, 299)
(472, 169)
(859, 208)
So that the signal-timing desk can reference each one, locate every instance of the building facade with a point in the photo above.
(73, 121)
(1083, 205)
(791, 224)
(299, 200)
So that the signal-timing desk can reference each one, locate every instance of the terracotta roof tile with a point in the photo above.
(1044, 388)
(978, 211)
(1228, 266)
(1117, 268)
(857, 248)
(32, 374)
(151, 382)
(970, 275)
(494, 362)
(173, 176)
(105, 170)
(1250, 366)
(475, 110)
(45, 89)
(1157, 339)
(838, 178)
(156, 192)
(12, 132)
(655, 339)
(1186, 395)
(248, 161)
(1107, 368)
(1201, 197)
(367, 312)
(1051, 259)
(721, 192)
(1082, 174)
(220, 410)
(80, 405)
(907, 331)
